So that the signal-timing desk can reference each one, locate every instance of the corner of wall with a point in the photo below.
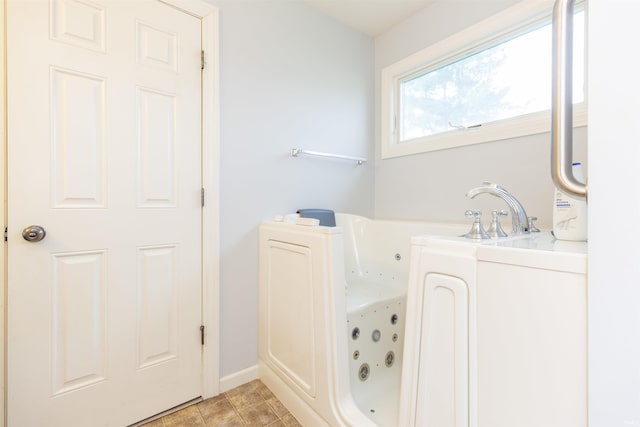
(239, 378)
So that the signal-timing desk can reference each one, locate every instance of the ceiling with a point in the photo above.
(372, 17)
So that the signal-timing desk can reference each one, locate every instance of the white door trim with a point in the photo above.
(209, 16)
(211, 209)
(3, 215)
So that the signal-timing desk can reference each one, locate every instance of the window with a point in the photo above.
(478, 86)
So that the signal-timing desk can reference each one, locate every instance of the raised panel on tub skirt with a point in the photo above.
(438, 371)
(442, 398)
(302, 337)
(290, 336)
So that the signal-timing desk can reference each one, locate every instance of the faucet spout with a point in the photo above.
(519, 219)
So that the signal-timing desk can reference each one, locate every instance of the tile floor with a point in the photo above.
(251, 404)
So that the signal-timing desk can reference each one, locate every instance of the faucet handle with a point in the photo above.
(501, 212)
(477, 231)
(473, 213)
(532, 226)
(495, 229)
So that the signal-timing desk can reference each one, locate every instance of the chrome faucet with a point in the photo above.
(519, 219)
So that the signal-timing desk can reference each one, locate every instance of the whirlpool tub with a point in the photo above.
(332, 315)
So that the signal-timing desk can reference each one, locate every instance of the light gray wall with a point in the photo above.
(290, 77)
(433, 185)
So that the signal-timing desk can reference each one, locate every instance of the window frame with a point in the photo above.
(508, 24)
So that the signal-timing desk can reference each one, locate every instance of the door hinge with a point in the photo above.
(202, 334)
(202, 63)
(6, 234)
(202, 197)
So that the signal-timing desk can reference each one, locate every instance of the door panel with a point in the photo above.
(78, 328)
(78, 140)
(157, 305)
(156, 148)
(104, 152)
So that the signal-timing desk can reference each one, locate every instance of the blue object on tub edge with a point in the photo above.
(326, 216)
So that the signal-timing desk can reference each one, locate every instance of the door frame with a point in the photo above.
(209, 16)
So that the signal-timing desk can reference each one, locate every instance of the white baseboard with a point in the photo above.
(238, 378)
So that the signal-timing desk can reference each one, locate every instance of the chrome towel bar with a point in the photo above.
(296, 151)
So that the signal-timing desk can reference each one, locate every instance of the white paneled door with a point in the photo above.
(104, 153)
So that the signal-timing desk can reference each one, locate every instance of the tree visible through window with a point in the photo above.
(507, 80)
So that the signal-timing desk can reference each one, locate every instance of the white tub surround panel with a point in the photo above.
(515, 347)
